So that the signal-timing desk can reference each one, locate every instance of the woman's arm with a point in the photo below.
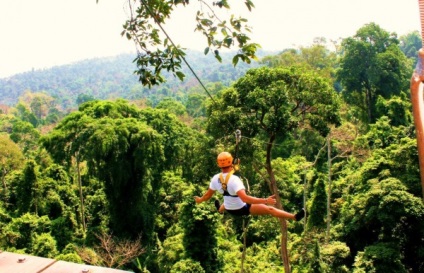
(254, 200)
(208, 194)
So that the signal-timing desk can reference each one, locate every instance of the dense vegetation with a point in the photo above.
(112, 182)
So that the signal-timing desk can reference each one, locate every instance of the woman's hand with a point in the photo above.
(271, 200)
(198, 199)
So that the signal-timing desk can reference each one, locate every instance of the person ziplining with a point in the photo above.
(236, 200)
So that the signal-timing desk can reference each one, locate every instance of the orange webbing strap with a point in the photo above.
(224, 182)
(421, 6)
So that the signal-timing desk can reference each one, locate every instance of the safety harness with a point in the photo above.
(224, 183)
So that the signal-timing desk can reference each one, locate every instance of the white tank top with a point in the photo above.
(233, 186)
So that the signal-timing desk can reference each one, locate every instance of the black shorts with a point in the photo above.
(245, 210)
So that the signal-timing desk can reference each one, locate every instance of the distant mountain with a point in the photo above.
(114, 77)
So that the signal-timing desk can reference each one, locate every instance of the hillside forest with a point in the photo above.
(95, 168)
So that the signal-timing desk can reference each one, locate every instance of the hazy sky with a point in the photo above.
(43, 33)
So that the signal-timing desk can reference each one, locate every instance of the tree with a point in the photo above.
(410, 44)
(316, 264)
(372, 64)
(385, 214)
(11, 158)
(195, 105)
(397, 109)
(335, 256)
(341, 140)
(157, 51)
(121, 151)
(187, 266)
(318, 207)
(27, 190)
(21, 232)
(115, 252)
(381, 257)
(172, 106)
(200, 242)
(270, 103)
(23, 113)
(84, 98)
(25, 135)
(44, 245)
(317, 56)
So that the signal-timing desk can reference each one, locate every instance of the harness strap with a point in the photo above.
(224, 183)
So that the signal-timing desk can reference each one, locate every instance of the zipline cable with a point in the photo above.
(149, 10)
(172, 42)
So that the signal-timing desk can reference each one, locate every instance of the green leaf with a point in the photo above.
(206, 22)
(235, 60)
(228, 41)
(206, 51)
(180, 75)
(249, 5)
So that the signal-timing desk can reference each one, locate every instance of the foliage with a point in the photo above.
(317, 264)
(11, 158)
(318, 57)
(44, 245)
(200, 244)
(381, 257)
(156, 53)
(187, 266)
(410, 44)
(318, 208)
(372, 65)
(25, 135)
(21, 232)
(335, 255)
(385, 214)
(278, 101)
(397, 109)
(69, 257)
(171, 250)
(174, 107)
(120, 150)
(28, 190)
(263, 258)
(170, 197)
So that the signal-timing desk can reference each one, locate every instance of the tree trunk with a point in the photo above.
(3, 180)
(81, 195)
(327, 235)
(368, 103)
(274, 189)
(305, 198)
(418, 111)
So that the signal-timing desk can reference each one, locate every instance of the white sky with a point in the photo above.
(44, 33)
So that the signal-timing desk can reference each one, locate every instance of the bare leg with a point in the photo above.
(261, 209)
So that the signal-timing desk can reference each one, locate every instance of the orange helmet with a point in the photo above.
(224, 159)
